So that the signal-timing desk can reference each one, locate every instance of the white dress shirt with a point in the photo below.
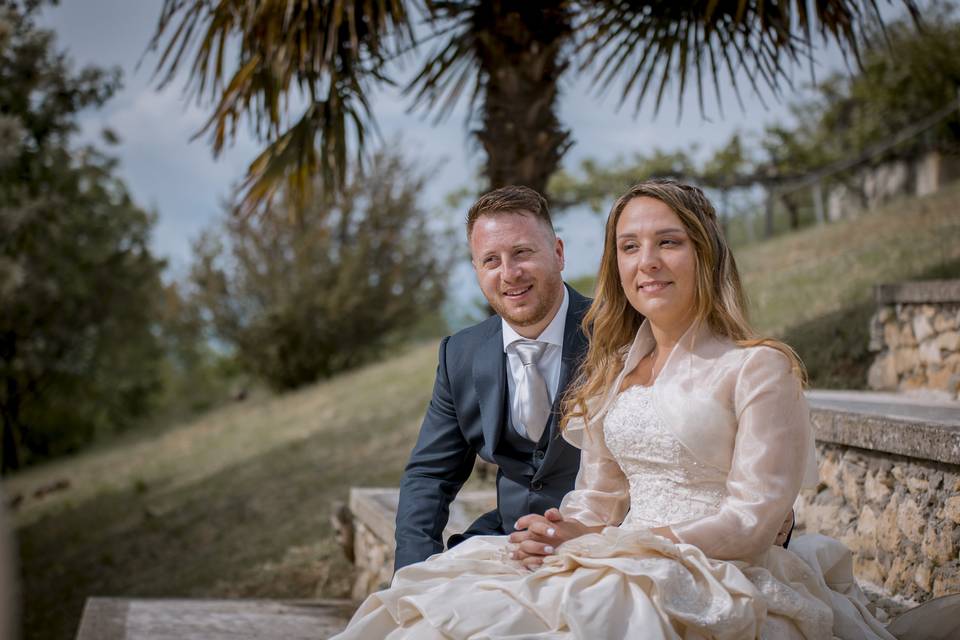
(549, 363)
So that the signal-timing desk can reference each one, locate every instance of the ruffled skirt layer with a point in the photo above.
(622, 583)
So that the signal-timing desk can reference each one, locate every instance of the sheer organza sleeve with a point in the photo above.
(601, 495)
(774, 438)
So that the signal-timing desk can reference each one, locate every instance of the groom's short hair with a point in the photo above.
(510, 199)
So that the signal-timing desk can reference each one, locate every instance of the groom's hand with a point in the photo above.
(539, 536)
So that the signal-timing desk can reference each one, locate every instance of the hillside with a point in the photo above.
(237, 503)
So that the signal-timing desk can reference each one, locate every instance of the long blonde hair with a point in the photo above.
(611, 323)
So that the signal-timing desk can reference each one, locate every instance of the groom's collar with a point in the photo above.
(553, 334)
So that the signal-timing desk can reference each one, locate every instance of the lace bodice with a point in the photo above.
(667, 484)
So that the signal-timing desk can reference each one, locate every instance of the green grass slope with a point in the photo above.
(234, 504)
(237, 503)
(814, 288)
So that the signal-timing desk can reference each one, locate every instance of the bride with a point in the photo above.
(695, 439)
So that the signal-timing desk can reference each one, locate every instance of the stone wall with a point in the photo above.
(899, 514)
(373, 512)
(889, 489)
(916, 335)
(876, 185)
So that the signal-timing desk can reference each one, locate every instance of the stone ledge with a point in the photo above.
(185, 619)
(916, 428)
(918, 292)
(376, 508)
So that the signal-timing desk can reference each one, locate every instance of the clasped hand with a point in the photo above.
(539, 536)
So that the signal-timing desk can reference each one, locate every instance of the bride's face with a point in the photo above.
(657, 263)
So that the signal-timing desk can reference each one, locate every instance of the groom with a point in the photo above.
(499, 383)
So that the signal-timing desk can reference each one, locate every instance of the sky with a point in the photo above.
(169, 172)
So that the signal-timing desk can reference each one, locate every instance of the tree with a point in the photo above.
(903, 101)
(77, 279)
(598, 182)
(508, 58)
(303, 295)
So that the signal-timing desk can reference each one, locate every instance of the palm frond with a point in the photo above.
(635, 40)
(329, 53)
(450, 66)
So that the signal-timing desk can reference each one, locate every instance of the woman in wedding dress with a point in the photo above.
(695, 439)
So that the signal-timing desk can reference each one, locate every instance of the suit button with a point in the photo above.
(536, 485)
(538, 454)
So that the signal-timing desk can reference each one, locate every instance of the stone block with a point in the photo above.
(946, 582)
(888, 532)
(922, 329)
(854, 542)
(901, 572)
(867, 525)
(869, 570)
(905, 359)
(914, 381)
(911, 520)
(851, 480)
(944, 321)
(941, 378)
(949, 341)
(830, 473)
(952, 361)
(882, 375)
(929, 352)
(875, 490)
(891, 335)
(938, 545)
(928, 311)
(923, 577)
(846, 516)
(917, 485)
(885, 314)
(951, 508)
(823, 518)
(876, 334)
(907, 338)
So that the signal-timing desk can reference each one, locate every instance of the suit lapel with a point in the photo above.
(489, 370)
(574, 347)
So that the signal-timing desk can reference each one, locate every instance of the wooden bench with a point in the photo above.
(182, 619)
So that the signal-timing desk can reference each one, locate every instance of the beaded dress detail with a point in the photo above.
(667, 484)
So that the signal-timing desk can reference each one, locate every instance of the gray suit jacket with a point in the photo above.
(466, 417)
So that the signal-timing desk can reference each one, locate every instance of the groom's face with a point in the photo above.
(518, 261)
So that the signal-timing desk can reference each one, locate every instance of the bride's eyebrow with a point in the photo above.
(661, 232)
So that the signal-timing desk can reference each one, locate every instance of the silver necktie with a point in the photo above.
(531, 402)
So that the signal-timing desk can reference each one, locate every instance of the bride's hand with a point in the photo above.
(539, 536)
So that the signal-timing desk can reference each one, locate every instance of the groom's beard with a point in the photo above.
(547, 294)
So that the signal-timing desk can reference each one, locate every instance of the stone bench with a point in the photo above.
(374, 511)
(181, 619)
(890, 490)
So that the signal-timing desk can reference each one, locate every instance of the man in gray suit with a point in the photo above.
(499, 383)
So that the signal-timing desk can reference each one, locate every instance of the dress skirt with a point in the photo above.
(622, 583)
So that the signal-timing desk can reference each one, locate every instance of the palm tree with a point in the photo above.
(505, 57)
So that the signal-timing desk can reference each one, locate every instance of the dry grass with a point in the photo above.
(234, 504)
(237, 503)
(799, 277)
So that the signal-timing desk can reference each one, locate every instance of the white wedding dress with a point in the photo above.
(626, 582)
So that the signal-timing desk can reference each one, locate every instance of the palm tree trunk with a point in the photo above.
(522, 56)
